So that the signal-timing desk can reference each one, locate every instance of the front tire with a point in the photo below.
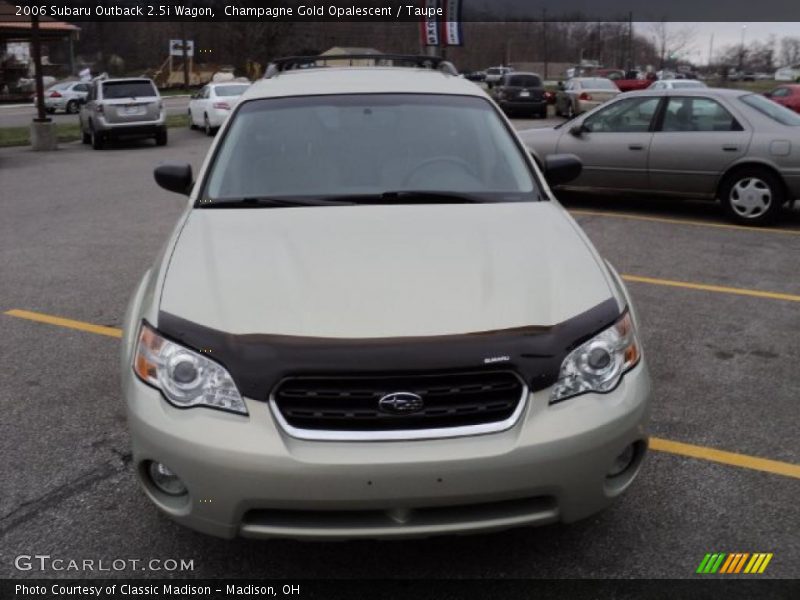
(72, 107)
(752, 196)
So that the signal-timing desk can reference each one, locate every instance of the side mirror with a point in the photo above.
(175, 177)
(562, 168)
(578, 130)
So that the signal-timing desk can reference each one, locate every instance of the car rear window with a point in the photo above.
(128, 89)
(771, 109)
(231, 90)
(598, 83)
(524, 81)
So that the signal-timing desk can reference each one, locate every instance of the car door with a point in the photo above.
(695, 141)
(613, 143)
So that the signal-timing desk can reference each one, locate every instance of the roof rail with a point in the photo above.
(291, 63)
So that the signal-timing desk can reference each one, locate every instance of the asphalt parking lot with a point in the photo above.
(720, 310)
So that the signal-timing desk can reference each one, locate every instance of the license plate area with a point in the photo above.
(132, 110)
(524, 94)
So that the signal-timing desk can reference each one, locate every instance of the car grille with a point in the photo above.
(452, 400)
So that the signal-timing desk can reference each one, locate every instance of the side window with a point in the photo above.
(698, 114)
(206, 93)
(81, 87)
(780, 93)
(657, 86)
(626, 116)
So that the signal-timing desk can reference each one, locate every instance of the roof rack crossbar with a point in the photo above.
(290, 63)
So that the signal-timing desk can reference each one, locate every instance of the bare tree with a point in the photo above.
(790, 51)
(669, 41)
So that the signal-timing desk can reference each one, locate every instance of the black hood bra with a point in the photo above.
(257, 362)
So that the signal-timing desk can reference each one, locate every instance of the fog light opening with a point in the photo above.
(622, 462)
(165, 480)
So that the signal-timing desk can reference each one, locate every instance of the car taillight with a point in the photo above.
(222, 105)
(55, 95)
(585, 96)
(548, 95)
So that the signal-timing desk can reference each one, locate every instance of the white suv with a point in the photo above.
(374, 320)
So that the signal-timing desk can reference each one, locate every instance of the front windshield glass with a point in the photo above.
(374, 144)
(771, 109)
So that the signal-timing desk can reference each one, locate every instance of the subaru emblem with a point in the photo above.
(401, 403)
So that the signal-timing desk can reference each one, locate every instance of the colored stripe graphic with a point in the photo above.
(734, 563)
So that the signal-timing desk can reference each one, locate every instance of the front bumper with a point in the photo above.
(247, 477)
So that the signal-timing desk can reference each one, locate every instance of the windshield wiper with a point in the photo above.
(267, 202)
(409, 197)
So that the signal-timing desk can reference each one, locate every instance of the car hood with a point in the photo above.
(381, 271)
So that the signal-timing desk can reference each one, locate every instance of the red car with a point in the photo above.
(786, 95)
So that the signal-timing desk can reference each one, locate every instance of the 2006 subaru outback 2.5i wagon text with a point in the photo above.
(374, 320)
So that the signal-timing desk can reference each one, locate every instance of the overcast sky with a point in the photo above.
(725, 34)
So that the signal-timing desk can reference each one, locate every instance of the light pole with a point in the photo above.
(741, 50)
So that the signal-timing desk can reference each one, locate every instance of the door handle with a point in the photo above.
(635, 147)
(730, 148)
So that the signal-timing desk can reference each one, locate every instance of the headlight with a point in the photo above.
(185, 377)
(598, 364)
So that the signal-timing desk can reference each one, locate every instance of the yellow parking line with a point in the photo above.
(721, 289)
(69, 323)
(618, 215)
(726, 458)
(658, 444)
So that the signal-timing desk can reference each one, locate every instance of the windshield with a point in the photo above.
(494, 71)
(598, 83)
(680, 85)
(325, 147)
(524, 81)
(771, 109)
(128, 89)
(231, 90)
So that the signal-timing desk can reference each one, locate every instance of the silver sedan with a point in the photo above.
(732, 145)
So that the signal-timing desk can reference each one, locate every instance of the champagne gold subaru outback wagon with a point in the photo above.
(373, 319)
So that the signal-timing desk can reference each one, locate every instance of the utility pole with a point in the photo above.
(631, 58)
(185, 57)
(711, 51)
(544, 40)
(37, 65)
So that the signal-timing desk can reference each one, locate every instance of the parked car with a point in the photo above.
(210, 106)
(118, 108)
(476, 76)
(521, 92)
(625, 81)
(66, 96)
(788, 73)
(732, 145)
(345, 337)
(677, 84)
(495, 74)
(786, 95)
(580, 94)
